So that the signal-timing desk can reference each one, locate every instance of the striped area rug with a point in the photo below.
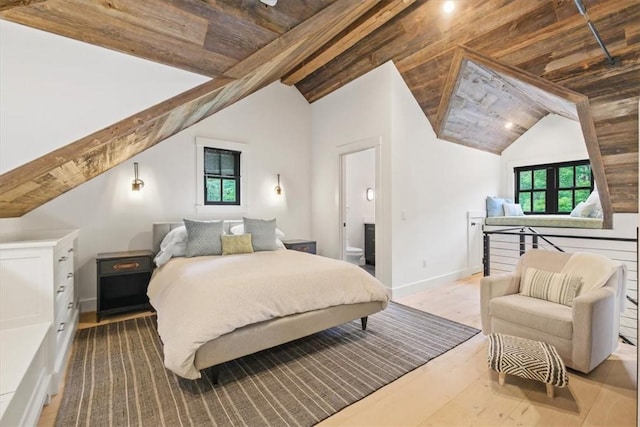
(116, 376)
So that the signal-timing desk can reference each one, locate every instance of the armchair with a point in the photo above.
(584, 334)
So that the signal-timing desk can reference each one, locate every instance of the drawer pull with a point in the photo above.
(70, 306)
(69, 275)
(126, 266)
(61, 327)
(70, 251)
(61, 289)
(63, 259)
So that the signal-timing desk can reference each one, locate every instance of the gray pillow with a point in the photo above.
(203, 237)
(263, 233)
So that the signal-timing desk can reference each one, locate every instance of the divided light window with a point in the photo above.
(221, 177)
(554, 188)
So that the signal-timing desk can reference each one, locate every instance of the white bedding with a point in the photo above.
(199, 299)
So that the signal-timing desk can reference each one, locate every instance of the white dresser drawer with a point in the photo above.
(37, 286)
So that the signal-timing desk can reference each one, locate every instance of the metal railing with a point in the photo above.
(503, 248)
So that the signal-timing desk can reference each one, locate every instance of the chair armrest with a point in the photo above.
(595, 328)
(495, 286)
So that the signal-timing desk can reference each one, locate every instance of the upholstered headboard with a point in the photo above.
(160, 229)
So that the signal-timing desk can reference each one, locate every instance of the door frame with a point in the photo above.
(343, 151)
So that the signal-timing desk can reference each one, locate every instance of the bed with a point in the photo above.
(213, 309)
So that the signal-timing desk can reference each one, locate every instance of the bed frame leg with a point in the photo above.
(213, 372)
(363, 320)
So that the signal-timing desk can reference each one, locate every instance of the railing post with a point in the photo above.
(522, 242)
(534, 242)
(485, 255)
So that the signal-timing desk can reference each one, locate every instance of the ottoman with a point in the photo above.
(526, 358)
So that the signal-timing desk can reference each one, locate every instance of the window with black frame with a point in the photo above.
(221, 177)
(553, 188)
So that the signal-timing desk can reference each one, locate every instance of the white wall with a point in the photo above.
(435, 183)
(274, 122)
(358, 113)
(428, 185)
(360, 176)
(56, 90)
(555, 139)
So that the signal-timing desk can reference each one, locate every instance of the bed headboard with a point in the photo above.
(160, 229)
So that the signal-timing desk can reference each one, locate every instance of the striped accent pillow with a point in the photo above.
(554, 287)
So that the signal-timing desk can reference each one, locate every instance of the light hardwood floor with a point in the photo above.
(458, 389)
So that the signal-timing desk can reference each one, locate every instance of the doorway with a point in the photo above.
(358, 207)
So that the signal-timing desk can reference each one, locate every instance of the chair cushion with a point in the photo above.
(549, 317)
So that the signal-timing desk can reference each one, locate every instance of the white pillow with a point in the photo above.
(513, 209)
(174, 244)
(592, 207)
(577, 211)
(239, 229)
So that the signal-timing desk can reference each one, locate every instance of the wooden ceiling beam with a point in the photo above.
(328, 19)
(10, 4)
(33, 184)
(351, 36)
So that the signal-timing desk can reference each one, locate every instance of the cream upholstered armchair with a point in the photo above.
(585, 332)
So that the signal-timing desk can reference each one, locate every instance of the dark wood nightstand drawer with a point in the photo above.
(125, 265)
(308, 246)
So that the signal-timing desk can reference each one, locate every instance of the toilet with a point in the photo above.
(353, 255)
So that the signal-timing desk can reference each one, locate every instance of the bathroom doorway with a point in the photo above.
(358, 207)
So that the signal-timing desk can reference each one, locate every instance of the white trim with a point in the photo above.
(421, 285)
(245, 159)
(88, 305)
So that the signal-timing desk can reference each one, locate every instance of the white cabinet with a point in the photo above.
(37, 287)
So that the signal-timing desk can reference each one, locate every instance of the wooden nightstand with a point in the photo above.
(301, 245)
(122, 282)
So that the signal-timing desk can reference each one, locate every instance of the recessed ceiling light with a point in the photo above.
(508, 125)
(448, 6)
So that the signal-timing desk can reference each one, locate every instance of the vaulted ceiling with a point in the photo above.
(321, 45)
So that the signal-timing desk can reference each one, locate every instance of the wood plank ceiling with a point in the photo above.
(320, 45)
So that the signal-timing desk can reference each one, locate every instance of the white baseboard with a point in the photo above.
(412, 288)
(89, 304)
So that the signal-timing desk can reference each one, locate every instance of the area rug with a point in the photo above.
(116, 376)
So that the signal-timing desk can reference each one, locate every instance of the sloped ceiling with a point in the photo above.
(320, 45)
(499, 106)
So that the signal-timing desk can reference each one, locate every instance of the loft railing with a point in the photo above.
(503, 248)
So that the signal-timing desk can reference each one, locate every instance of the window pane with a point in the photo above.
(228, 190)
(566, 177)
(539, 201)
(525, 201)
(227, 165)
(583, 177)
(540, 179)
(211, 162)
(213, 189)
(581, 195)
(565, 201)
(525, 180)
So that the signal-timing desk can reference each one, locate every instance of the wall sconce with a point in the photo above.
(137, 183)
(278, 189)
(369, 194)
